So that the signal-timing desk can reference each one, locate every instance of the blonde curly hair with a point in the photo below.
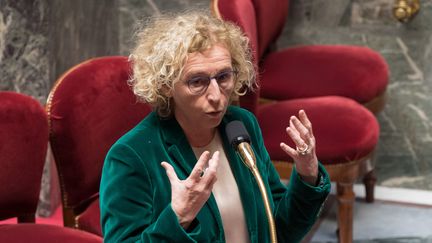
(162, 47)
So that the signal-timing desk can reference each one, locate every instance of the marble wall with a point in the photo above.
(135, 11)
(41, 39)
(24, 57)
(79, 30)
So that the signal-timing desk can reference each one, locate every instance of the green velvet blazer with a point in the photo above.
(135, 192)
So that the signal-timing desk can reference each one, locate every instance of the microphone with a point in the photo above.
(239, 139)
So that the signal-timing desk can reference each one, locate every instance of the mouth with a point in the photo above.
(214, 113)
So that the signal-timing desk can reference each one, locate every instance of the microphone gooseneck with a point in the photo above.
(239, 138)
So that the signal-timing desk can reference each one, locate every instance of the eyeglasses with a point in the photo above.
(199, 84)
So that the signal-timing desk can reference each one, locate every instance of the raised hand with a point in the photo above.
(300, 131)
(188, 196)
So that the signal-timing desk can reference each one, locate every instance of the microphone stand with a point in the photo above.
(249, 160)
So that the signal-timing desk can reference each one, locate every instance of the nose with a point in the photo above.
(213, 90)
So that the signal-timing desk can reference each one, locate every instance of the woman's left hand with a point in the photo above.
(305, 159)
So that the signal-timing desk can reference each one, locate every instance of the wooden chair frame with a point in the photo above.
(344, 175)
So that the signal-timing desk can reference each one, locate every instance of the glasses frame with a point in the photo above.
(208, 79)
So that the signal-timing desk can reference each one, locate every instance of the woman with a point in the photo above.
(174, 177)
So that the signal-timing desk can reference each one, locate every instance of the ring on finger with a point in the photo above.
(202, 171)
(303, 150)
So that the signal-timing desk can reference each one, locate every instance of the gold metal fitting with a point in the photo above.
(405, 10)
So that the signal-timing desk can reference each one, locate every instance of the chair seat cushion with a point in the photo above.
(89, 220)
(44, 233)
(309, 71)
(344, 130)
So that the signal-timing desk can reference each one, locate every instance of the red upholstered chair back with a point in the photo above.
(23, 145)
(270, 18)
(89, 108)
(242, 13)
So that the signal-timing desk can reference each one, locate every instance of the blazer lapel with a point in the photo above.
(178, 147)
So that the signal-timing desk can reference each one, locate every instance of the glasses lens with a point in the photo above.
(225, 78)
(198, 84)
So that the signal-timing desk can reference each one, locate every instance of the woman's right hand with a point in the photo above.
(188, 196)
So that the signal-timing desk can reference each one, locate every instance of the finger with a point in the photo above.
(211, 182)
(293, 127)
(298, 141)
(214, 161)
(290, 151)
(172, 175)
(308, 124)
(211, 172)
(199, 166)
(305, 120)
(303, 131)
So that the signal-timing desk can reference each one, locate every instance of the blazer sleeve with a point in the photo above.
(126, 203)
(296, 206)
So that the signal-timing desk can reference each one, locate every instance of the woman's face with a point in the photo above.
(204, 109)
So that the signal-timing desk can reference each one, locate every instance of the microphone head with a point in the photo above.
(236, 133)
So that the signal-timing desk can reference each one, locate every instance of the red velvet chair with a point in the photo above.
(355, 72)
(23, 146)
(346, 132)
(89, 108)
(24, 140)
